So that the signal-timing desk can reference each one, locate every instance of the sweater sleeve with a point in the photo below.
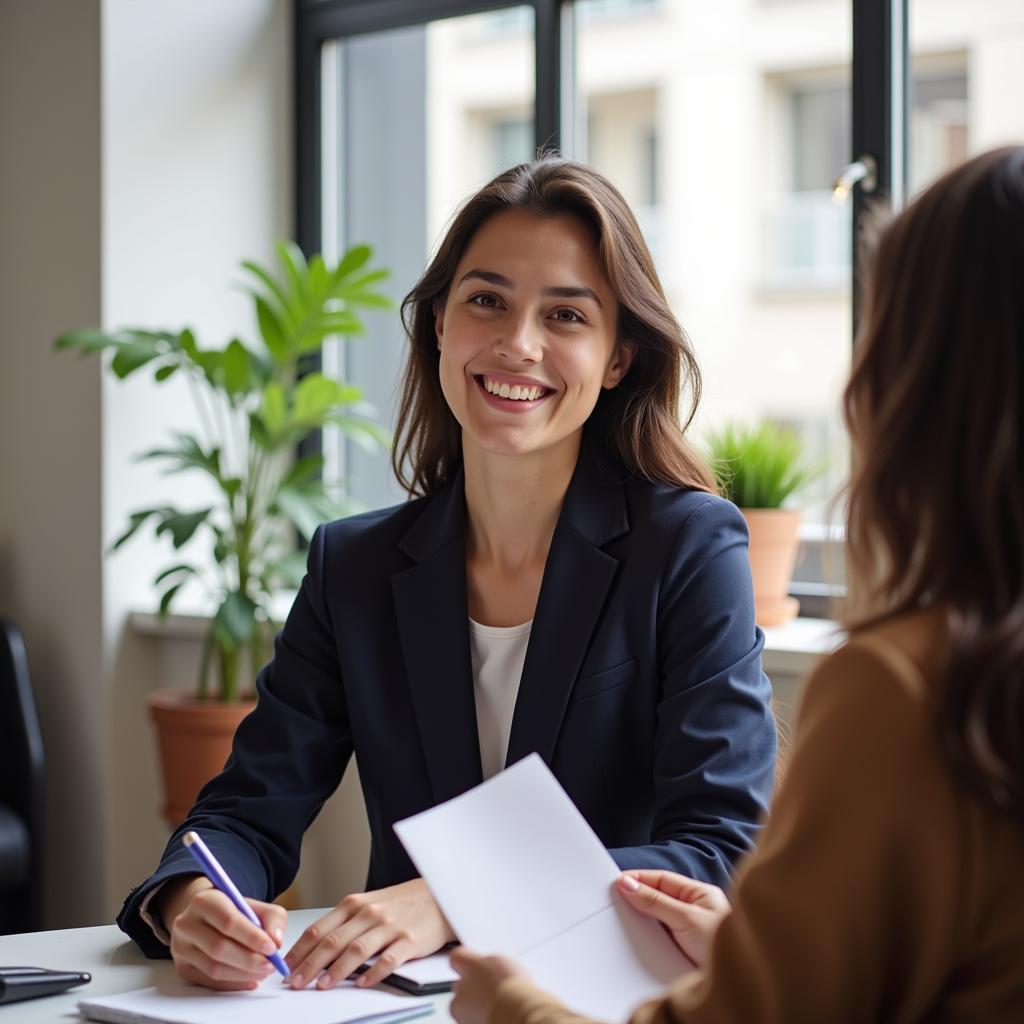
(848, 910)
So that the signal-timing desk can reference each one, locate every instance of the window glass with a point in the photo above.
(413, 121)
(724, 126)
(968, 80)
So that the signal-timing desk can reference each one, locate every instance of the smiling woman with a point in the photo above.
(565, 581)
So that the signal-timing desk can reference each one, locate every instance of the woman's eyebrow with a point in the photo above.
(562, 292)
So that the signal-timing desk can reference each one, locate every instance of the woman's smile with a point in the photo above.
(512, 394)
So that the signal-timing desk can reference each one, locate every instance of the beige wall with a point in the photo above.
(50, 414)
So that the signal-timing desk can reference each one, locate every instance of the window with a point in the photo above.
(724, 125)
(413, 119)
(968, 64)
(725, 131)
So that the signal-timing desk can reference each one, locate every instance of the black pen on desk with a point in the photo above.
(216, 874)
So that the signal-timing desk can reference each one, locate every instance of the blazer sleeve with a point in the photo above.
(287, 757)
(715, 740)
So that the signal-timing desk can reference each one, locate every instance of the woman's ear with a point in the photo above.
(438, 322)
(618, 367)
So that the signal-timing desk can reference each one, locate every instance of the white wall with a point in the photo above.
(197, 157)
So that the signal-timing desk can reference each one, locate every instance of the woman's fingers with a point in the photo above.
(225, 951)
(463, 960)
(215, 910)
(215, 973)
(387, 963)
(679, 887)
(474, 994)
(274, 918)
(214, 945)
(314, 934)
(332, 940)
(691, 922)
(355, 951)
(399, 923)
(654, 903)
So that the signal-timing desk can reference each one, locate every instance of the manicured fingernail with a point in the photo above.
(297, 980)
(279, 935)
(267, 948)
(324, 981)
(630, 883)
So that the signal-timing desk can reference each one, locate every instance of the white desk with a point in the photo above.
(116, 965)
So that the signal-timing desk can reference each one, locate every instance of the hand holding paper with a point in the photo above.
(518, 871)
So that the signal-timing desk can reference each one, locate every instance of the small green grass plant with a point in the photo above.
(759, 466)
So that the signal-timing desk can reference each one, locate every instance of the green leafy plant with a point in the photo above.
(759, 466)
(254, 406)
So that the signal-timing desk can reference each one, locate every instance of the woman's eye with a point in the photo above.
(484, 299)
(569, 316)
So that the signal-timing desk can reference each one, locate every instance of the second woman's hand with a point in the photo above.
(395, 924)
(691, 910)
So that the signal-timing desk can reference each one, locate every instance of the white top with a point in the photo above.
(497, 654)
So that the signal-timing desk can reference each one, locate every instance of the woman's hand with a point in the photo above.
(691, 910)
(212, 943)
(477, 988)
(398, 923)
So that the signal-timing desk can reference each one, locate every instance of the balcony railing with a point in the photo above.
(807, 242)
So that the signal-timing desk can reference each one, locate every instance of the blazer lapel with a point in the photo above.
(433, 613)
(577, 578)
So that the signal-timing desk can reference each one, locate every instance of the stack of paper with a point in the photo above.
(179, 1003)
(518, 871)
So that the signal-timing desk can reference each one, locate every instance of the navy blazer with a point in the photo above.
(642, 688)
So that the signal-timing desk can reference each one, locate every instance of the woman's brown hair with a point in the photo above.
(637, 424)
(935, 410)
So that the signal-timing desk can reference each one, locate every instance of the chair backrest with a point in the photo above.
(21, 742)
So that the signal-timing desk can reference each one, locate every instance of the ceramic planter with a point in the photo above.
(773, 548)
(195, 740)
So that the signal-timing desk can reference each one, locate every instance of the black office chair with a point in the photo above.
(21, 790)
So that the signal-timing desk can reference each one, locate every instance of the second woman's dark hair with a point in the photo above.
(935, 409)
(636, 424)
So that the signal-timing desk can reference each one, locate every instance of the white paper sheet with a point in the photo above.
(518, 871)
(175, 1002)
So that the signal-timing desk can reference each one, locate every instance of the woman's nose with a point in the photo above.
(520, 340)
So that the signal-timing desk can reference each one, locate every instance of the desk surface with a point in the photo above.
(116, 965)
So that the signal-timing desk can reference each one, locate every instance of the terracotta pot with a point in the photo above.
(773, 547)
(195, 740)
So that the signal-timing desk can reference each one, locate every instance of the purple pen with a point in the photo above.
(216, 874)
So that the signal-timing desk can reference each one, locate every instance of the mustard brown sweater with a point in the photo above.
(882, 890)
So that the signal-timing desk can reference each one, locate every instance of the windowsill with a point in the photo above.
(790, 649)
(796, 647)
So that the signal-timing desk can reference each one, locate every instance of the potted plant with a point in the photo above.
(255, 403)
(759, 468)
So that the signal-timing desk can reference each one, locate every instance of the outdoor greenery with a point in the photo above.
(255, 403)
(759, 466)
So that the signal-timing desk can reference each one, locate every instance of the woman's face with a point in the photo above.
(527, 335)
